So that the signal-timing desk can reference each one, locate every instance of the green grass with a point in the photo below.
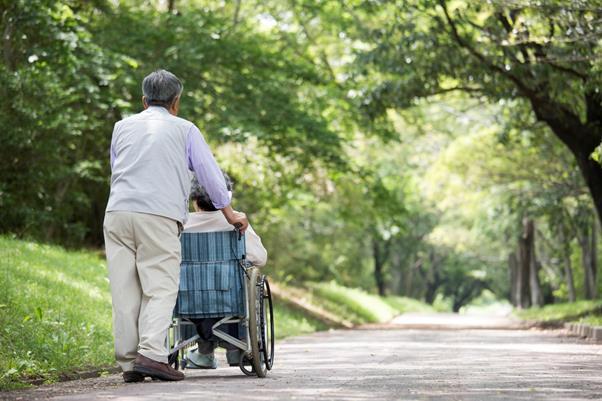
(407, 305)
(593, 320)
(355, 305)
(292, 322)
(560, 312)
(55, 312)
(358, 306)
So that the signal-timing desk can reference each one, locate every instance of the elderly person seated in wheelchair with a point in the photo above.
(208, 219)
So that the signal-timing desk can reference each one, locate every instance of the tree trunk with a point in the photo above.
(581, 138)
(524, 262)
(514, 282)
(534, 267)
(589, 261)
(568, 268)
(568, 275)
(593, 271)
(433, 278)
(409, 286)
(379, 261)
(592, 173)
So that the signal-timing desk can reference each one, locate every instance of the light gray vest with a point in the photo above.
(150, 170)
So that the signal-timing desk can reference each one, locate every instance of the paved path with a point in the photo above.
(386, 364)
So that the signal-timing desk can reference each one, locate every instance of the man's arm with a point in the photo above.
(209, 175)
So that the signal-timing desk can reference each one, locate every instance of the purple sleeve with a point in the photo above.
(204, 166)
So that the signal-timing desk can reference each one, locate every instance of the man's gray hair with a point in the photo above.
(161, 88)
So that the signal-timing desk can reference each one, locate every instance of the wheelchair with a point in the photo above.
(217, 282)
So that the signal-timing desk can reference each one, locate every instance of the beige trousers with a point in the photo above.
(143, 257)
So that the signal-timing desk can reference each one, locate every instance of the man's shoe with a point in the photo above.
(132, 377)
(156, 370)
(201, 361)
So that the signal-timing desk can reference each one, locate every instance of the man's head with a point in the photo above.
(162, 88)
(200, 197)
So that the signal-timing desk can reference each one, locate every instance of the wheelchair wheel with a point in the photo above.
(267, 323)
(261, 323)
(173, 360)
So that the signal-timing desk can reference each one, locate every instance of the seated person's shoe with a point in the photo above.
(132, 377)
(200, 361)
(156, 370)
(233, 356)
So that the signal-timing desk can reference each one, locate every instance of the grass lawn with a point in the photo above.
(292, 322)
(592, 320)
(358, 306)
(407, 305)
(562, 312)
(55, 312)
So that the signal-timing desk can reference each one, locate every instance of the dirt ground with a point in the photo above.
(434, 357)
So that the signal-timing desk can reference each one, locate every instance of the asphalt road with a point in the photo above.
(440, 358)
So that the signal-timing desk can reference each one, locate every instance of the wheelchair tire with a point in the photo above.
(255, 308)
(267, 323)
(173, 360)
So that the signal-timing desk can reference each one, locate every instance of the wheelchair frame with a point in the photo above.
(258, 324)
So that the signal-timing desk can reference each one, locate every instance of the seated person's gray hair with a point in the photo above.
(199, 195)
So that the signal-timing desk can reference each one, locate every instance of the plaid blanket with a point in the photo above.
(211, 279)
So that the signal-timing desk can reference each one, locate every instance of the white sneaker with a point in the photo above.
(200, 361)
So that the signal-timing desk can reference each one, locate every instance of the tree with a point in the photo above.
(545, 53)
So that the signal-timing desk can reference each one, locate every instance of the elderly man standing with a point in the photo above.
(152, 154)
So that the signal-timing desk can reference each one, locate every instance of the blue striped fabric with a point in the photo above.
(211, 279)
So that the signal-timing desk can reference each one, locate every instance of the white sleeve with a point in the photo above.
(256, 253)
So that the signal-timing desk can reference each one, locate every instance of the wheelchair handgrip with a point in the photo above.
(237, 226)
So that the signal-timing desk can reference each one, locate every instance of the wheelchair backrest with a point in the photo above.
(211, 276)
(212, 247)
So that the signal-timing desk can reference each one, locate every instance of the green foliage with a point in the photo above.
(71, 69)
(55, 106)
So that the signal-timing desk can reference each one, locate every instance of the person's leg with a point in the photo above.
(158, 264)
(125, 286)
(206, 347)
(203, 356)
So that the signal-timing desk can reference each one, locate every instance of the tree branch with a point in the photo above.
(467, 89)
(236, 16)
(564, 122)
(508, 28)
(462, 43)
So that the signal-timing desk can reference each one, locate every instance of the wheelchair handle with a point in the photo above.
(237, 227)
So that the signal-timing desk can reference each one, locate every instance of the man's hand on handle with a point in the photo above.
(237, 219)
